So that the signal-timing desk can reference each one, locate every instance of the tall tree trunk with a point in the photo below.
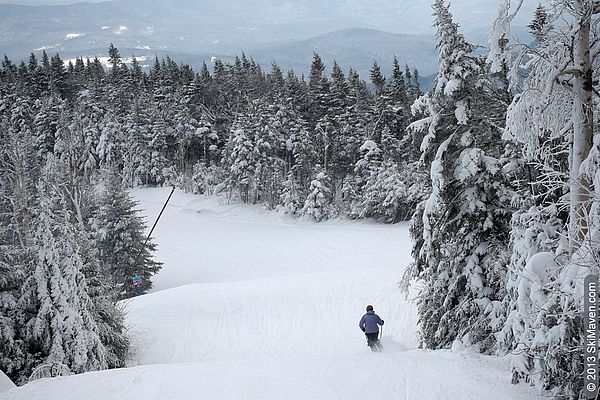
(582, 126)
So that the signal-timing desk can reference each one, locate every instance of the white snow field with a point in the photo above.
(5, 383)
(254, 305)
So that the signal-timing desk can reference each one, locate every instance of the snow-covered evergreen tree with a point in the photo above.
(160, 172)
(61, 329)
(111, 144)
(540, 25)
(304, 154)
(120, 240)
(551, 118)
(46, 122)
(318, 202)
(107, 312)
(18, 173)
(377, 77)
(242, 161)
(319, 98)
(293, 195)
(14, 262)
(136, 155)
(461, 231)
(13, 354)
(391, 193)
(354, 187)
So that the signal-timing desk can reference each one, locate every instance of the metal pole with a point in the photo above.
(153, 226)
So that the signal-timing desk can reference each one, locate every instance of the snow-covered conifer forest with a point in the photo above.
(497, 168)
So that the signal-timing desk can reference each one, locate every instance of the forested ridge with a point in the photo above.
(496, 166)
(76, 136)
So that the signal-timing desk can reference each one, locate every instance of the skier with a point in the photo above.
(369, 324)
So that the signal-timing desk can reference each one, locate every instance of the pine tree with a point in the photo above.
(205, 74)
(13, 354)
(108, 313)
(9, 70)
(15, 260)
(354, 187)
(46, 122)
(377, 77)
(77, 137)
(35, 77)
(18, 173)
(296, 90)
(121, 242)
(111, 144)
(540, 25)
(397, 85)
(114, 58)
(242, 161)
(339, 89)
(358, 92)
(460, 248)
(551, 120)
(304, 154)
(61, 329)
(159, 144)
(277, 81)
(293, 195)
(57, 75)
(318, 201)
(318, 91)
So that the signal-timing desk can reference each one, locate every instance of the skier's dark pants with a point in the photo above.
(372, 338)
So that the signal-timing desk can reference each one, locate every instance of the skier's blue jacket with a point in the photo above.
(370, 322)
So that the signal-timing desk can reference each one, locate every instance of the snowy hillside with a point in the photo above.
(254, 305)
(5, 383)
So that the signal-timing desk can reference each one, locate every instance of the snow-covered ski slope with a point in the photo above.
(252, 305)
(5, 383)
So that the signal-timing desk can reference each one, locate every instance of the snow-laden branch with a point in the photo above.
(498, 35)
(561, 68)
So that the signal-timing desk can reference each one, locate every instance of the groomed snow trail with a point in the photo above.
(255, 305)
(5, 383)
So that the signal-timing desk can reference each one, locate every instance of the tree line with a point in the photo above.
(510, 228)
(76, 135)
(496, 166)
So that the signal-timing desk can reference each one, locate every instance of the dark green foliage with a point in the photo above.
(120, 241)
(540, 25)
(377, 78)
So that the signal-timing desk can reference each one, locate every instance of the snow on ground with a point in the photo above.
(206, 240)
(70, 36)
(255, 305)
(5, 383)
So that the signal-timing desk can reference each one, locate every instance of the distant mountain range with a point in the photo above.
(193, 31)
(356, 47)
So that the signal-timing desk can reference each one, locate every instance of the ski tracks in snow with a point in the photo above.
(252, 305)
